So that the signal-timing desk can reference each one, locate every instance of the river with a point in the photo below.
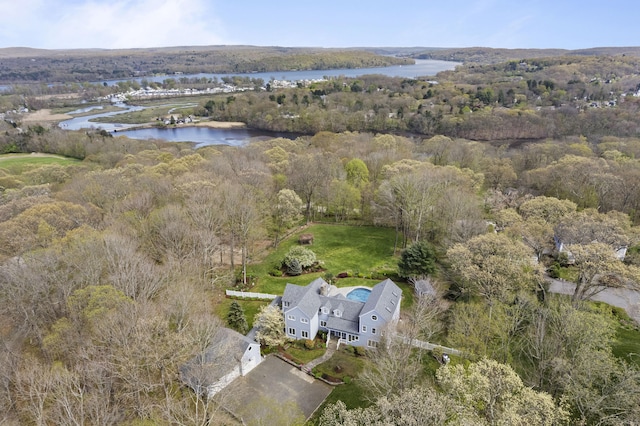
(211, 136)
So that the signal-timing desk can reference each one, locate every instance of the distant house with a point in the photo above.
(321, 307)
(229, 356)
(619, 251)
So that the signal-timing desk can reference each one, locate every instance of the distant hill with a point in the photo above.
(26, 65)
(487, 55)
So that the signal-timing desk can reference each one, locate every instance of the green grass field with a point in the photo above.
(16, 164)
(362, 251)
(154, 109)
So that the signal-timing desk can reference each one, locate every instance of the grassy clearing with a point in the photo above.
(342, 365)
(17, 164)
(359, 250)
(302, 355)
(250, 307)
(154, 109)
(626, 343)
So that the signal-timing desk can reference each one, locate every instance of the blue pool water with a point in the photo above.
(359, 294)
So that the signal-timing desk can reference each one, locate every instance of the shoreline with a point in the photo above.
(45, 116)
(209, 124)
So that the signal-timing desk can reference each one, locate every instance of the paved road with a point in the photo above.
(629, 300)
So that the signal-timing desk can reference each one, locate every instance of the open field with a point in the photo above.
(16, 164)
(364, 252)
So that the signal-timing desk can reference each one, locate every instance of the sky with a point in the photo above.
(115, 24)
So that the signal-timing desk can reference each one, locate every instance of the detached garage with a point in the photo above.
(229, 356)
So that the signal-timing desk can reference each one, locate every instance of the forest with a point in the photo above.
(22, 65)
(115, 253)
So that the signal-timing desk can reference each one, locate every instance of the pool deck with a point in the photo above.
(335, 291)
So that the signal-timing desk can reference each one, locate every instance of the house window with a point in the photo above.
(305, 334)
(304, 320)
(372, 343)
(292, 331)
(373, 331)
(374, 317)
(337, 313)
(364, 328)
(291, 317)
(285, 304)
(394, 293)
(323, 323)
(324, 310)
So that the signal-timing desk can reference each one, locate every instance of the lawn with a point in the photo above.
(626, 344)
(155, 108)
(250, 307)
(302, 355)
(344, 364)
(17, 164)
(359, 250)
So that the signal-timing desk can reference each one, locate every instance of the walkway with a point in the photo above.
(331, 348)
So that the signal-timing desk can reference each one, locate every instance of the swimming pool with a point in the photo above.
(359, 294)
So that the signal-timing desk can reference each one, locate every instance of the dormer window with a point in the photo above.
(324, 310)
(337, 313)
(285, 304)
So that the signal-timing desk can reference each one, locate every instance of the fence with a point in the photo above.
(250, 295)
(430, 346)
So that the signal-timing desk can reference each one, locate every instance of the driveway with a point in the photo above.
(624, 298)
(270, 389)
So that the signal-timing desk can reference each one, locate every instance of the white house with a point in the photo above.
(229, 356)
(312, 308)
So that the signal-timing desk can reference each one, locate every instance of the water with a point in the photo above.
(212, 136)
(359, 294)
(203, 136)
(422, 68)
(83, 122)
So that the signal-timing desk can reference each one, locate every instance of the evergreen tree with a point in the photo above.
(236, 318)
(417, 260)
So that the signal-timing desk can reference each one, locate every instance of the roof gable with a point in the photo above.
(306, 298)
(384, 299)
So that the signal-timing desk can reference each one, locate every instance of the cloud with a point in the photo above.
(116, 24)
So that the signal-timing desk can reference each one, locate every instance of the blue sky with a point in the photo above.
(572, 24)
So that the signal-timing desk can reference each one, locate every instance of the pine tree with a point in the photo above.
(236, 318)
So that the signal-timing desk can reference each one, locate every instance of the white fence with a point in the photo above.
(250, 295)
(430, 346)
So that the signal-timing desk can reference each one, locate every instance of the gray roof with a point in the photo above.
(306, 298)
(384, 298)
(350, 319)
(423, 287)
(221, 356)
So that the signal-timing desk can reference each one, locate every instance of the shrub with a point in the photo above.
(294, 268)
(275, 272)
(305, 257)
(309, 344)
(360, 351)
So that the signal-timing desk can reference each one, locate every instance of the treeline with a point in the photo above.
(97, 65)
(132, 246)
(542, 98)
(486, 55)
